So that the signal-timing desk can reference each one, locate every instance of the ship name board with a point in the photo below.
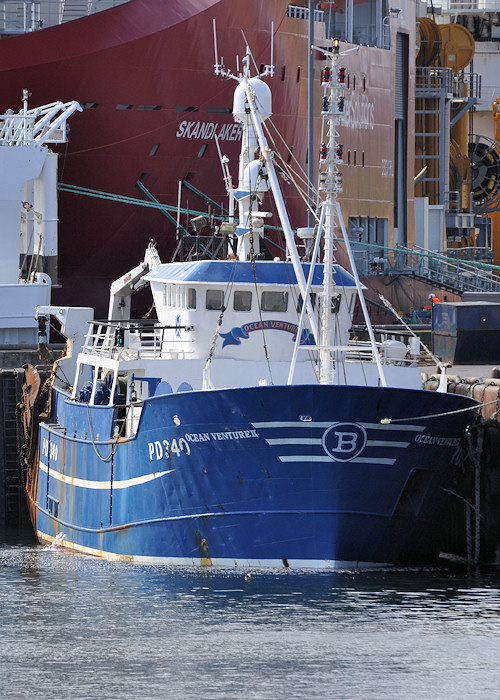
(436, 440)
(359, 113)
(207, 130)
(160, 449)
(226, 435)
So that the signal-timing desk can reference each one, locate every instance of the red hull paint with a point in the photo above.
(157, 53)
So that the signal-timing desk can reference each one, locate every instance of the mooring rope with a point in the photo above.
(477, 406)
(114, 444)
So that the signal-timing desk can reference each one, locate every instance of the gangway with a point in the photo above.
(443, 271)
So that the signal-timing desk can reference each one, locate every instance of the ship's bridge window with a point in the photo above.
(169, 295)
(242, 301)
(301, 12)
(335, 305)
(214, 299)
(274, 301)
(181, 298)
(175, 296)
(369, 23)
(191, 298)
(313, 301)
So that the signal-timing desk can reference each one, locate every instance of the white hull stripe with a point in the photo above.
(325, 458)
(294, 441)
(394, 426)
(386, 443)
(329, 424)
(107, 485)
(319, 441)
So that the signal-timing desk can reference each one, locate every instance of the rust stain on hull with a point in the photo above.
(202, 545)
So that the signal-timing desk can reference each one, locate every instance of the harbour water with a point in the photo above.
(73, 627)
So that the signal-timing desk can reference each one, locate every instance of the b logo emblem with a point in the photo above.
(344, 441)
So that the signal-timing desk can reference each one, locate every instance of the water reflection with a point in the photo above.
(76, 627)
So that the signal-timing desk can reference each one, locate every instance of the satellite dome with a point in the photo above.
(262, 100)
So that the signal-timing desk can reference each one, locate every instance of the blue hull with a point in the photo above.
(302, 475)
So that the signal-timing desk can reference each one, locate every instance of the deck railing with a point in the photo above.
(447, 272)
(19, 17)
(463, 7)
(131, 340)
(25, 16)
(301, 12)
(458, 269)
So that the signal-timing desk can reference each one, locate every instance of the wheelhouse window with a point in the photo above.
(191, 298)
(335, 303)
(335, 306)
(313, 301)
(174, 296)
(214, 299)
(368, 25)
(242, 301)
(274, 301)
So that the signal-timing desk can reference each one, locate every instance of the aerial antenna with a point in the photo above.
(224, 160)
(250, 52)
(219, 65)
(178, 224)
(269, 68)
(216, 64)
(226, 72)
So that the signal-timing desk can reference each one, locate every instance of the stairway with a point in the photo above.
(73, 9)
(451, 274)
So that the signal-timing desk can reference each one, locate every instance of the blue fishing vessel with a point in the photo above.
(243, 426)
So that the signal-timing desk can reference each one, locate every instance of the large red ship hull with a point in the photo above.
(144, 73)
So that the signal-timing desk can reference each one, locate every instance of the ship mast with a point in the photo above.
(249, 86)
(330, 185)
(251, 106)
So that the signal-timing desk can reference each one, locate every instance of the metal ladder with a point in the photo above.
(13, 508)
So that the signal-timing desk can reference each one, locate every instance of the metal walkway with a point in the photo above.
(451, 274)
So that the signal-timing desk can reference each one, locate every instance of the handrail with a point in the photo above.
(130, 340)
(363, 350)
(447, 269)
(19, 16)
(465, 6)
(29, 127)
(452, 271)
(301, 12)
(25, 16)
